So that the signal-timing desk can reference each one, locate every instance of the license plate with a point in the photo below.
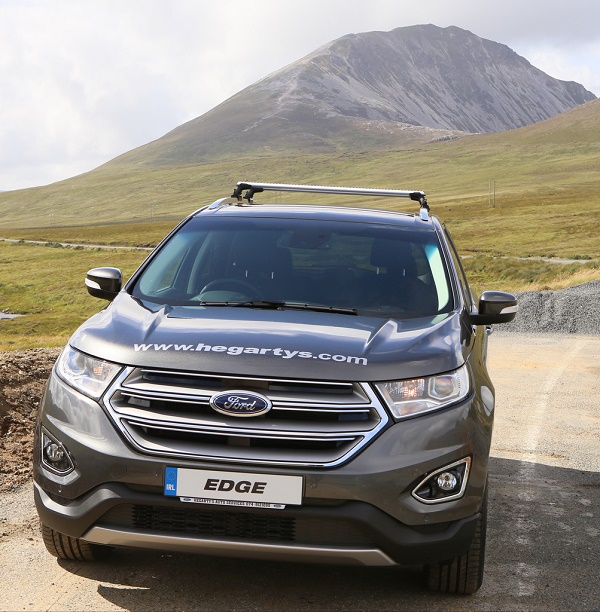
(233, 488)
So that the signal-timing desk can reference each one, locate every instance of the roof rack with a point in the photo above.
(250, 187)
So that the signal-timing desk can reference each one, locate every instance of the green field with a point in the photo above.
(46, 284)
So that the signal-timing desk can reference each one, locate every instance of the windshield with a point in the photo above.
(362, 268)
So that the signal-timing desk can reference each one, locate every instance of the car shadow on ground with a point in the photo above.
(543, 551)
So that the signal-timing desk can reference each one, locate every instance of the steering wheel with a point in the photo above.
(233, 284)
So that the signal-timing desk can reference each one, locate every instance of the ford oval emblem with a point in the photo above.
(240, 403)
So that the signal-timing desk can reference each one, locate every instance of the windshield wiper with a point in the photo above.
(280, 304)
(248, 304)
(319, 308)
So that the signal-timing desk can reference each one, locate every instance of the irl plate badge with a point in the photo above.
(171, 481)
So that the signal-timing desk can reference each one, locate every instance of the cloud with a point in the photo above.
(572, 67)
(83, 82)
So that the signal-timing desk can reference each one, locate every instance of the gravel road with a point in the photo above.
(544, 534)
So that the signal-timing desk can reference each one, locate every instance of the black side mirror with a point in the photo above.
(495, 307)
(104, 283)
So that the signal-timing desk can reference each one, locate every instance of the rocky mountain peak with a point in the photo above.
(445, 78)
(374, 90)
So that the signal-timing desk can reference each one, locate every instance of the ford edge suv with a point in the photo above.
(279, 381)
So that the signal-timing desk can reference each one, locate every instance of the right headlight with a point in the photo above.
(410, 397)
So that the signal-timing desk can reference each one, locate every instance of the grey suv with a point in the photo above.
(279, 381)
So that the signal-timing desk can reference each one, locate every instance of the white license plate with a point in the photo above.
(233, 488)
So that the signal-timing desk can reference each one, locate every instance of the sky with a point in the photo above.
(83, 81)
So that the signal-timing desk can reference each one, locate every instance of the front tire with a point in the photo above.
(463, 574)
(65, 547)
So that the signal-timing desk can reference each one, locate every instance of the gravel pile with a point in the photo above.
(575, 310)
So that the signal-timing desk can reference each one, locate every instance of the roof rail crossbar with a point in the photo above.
(251, 188)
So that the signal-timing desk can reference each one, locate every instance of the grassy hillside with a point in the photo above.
(547, 189)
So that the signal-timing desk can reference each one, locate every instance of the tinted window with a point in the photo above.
(378, 269)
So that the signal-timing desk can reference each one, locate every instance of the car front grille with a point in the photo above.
(265, 526)
(311, 423)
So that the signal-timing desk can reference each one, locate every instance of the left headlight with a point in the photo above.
(87, 374)
(410, 397)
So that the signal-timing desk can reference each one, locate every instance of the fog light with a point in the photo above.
(445, 484)
(55, 456)
(54, 453)
(447, 481)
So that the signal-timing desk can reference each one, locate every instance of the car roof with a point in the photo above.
(320, 212)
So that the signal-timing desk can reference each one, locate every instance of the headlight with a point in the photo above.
(87, 374)
(418, 395)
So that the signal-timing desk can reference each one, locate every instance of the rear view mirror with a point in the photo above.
(315, 240)
(104, 283)
(495, 307)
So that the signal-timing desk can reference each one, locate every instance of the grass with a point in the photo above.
(532, 221)
(46, 284)
(545, 199)
(516, 275)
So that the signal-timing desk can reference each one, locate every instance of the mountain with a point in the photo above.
(373, 90)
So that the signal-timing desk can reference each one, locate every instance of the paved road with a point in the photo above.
(544, 533)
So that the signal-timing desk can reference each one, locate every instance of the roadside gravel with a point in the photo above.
(575, 310)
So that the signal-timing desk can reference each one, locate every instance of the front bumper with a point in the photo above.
(348, 533)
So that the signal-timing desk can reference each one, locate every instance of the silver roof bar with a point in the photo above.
(251, 187)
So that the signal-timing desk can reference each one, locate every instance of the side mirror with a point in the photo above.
(495, 307)
(104, 283)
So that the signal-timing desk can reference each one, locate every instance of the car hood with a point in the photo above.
(278, 343)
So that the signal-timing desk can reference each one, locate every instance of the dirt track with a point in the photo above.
(544, 533)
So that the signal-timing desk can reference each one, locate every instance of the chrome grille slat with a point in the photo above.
(160, 390)
(312, 423)
(199, 375)
(240, 433)
(316, 409)
(173, 397)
